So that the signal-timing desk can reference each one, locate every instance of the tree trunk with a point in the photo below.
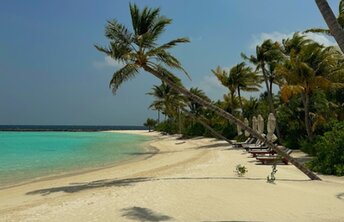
(270, 99)
(232, 101)
(305, 100)
(205, 125)
(158, 116)
(179, 122)
(231, 118)
(241, 106)
(331, 21)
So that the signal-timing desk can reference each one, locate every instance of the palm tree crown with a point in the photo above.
(138, 49)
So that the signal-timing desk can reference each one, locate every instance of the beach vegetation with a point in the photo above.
(150, 124)
(304, 71)
(240, 170)
(329, 151)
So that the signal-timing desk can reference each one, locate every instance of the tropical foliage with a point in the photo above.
(329, 152)
(309, 75)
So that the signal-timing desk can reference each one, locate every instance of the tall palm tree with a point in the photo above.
(268, 55)
(228, 81)
(196, 112)
(246, 79)
(340, 19)
(239, 78)
(168, 100)
(139, 49)
(158, 92)
(306, 70)
(335, 26)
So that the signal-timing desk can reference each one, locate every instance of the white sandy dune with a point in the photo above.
(187, 180)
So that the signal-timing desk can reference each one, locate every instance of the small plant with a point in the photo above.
(271, 178)
(240, 170)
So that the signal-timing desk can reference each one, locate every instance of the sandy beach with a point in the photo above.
(181, 180)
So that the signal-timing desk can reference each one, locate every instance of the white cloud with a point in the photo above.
(107, 62)
(212, 87)
(278, 36)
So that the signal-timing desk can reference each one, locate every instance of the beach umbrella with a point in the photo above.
(254, 123)
(260, 124)
(271, 126)
(239, 130)
(247, 134)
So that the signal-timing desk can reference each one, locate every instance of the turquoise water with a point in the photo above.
(31, 155)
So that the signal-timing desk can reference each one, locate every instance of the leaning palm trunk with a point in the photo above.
(240, 101)
(231, 118)
(205, 125)
(270, 98)
(305, 100)
(332, 23)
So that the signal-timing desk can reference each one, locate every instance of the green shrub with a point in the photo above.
(194, 130)
(167, 126)
(329, 149)
(240, 170)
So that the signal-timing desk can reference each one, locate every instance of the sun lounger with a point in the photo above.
(258, 152)
(258, 145)
(273, 159)
(250, 140)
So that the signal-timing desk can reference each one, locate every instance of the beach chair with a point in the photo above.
(273, 159)
(257, 152)
(250, 140)
(258, 145)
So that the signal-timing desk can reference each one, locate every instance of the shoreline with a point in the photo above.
(145, 147)
(187, 180)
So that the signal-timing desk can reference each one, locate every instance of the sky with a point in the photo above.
(51, 74)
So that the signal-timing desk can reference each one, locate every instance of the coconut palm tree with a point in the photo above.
(239, 78)
(139, 49)
(246, 79)
(335, 24)
(168, 100)
(306, 70)
(340, 20)
(268, 55)
(227, 80)
(196, 112)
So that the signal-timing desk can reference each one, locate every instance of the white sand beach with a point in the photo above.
(186, 180)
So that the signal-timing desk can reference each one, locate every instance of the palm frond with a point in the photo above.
(289, 90)
(318, 30)
(167, 45)
(129, 71)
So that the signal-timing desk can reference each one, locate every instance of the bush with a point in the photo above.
(167, 126)
(329, 149)
(195, 129)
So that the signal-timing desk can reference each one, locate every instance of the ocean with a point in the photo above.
(30, 155)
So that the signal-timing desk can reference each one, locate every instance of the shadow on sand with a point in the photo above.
(76, 187)
(143, 214)
(215, 145)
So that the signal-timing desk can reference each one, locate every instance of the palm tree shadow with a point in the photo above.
(143, 214)
(216, 145)
(76, 187)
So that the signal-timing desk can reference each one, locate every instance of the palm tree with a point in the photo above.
(139, 49)
(227, 80)
(246, 79)
(167, 100)
(340, 19)
(150, 123)
(158, 93)
(306, 70)
(196, 113)
(268, 55)
(335, 26)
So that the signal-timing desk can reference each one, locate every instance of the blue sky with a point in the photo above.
(50, 73)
